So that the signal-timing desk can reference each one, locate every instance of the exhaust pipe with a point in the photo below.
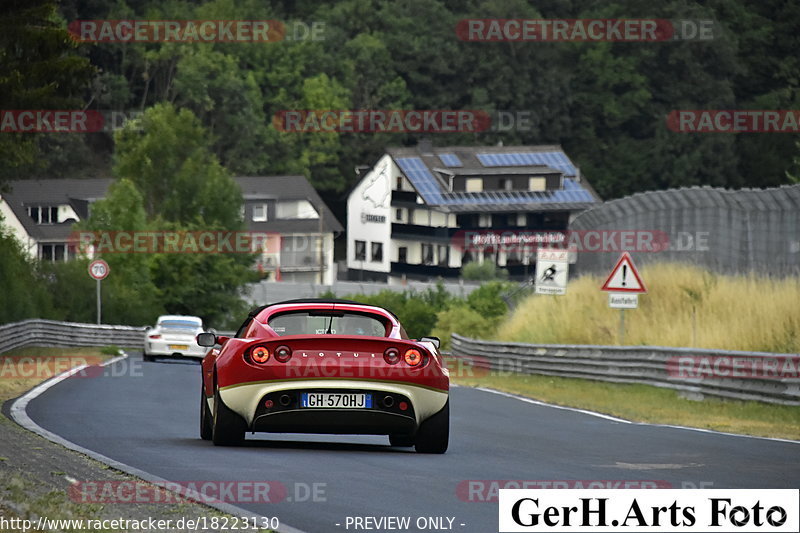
(285, 400)
(388, 401)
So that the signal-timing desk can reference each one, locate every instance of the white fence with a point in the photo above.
(696, 373)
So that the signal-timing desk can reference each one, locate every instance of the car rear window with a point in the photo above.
(179, 324)
(328, 322)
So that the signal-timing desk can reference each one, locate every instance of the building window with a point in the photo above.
(260, 213)
(53, 252)
(506, 184)
(399, 183)
(537, 184)
(474, 184)
(427, 254)
(398, 214)
(443, 254)
(44, 215)
(361, 250)
(377, 252)
(402, 254)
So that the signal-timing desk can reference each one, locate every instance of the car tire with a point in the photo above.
(206, 422)
(147, 357)
(433, 434)
(401, 441)
(227, 427)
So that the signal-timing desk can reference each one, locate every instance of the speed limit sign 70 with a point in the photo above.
(98, 269)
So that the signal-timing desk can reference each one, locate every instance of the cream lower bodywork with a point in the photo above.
(244, 398)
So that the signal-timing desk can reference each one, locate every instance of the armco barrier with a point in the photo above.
(38, 332)
(649, 365)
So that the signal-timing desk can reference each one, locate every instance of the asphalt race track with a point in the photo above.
(147, 417)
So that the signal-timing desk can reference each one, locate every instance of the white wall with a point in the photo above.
(295, 209)
(372, 197)
(65, 212)
(9, 221)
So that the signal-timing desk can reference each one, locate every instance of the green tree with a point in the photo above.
(167, 154)
(39, 69)
(483, 271)
(228, 101)
(129, 294)
(21, 284)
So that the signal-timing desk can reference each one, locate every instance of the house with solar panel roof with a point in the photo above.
(409, 215)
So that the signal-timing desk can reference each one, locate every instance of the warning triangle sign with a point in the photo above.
(624, 277)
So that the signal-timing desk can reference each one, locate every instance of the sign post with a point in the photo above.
(623, 285)
(98, 270)
(552, 267)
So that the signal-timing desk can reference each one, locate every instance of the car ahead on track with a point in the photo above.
(325, 366)
(174, 336)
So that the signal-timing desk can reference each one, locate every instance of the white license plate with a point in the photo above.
(336, 400)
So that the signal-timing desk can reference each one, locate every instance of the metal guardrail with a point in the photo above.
(648, 365)
(39, 332)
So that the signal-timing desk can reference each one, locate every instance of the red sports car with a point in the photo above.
(325, 366)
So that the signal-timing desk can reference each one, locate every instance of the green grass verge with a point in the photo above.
(685, 306)
(645, 403)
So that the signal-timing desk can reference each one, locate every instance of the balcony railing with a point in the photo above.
(416, 231)
(424, 271)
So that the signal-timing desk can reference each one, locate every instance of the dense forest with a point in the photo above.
(606, 103)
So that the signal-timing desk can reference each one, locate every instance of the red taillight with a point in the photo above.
(283, 353)
(391, 356)
(413, 357)
(155, 336)
(259, 354)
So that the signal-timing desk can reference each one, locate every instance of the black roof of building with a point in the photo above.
(287, 188)
(426, 167)
(79, 193)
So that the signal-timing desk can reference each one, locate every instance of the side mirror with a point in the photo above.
(433, 340)
(206, 339)
(148, 328)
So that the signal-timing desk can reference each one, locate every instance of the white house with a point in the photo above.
(298, 228)
(414, 211)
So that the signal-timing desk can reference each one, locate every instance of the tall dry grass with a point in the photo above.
(730, 312)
